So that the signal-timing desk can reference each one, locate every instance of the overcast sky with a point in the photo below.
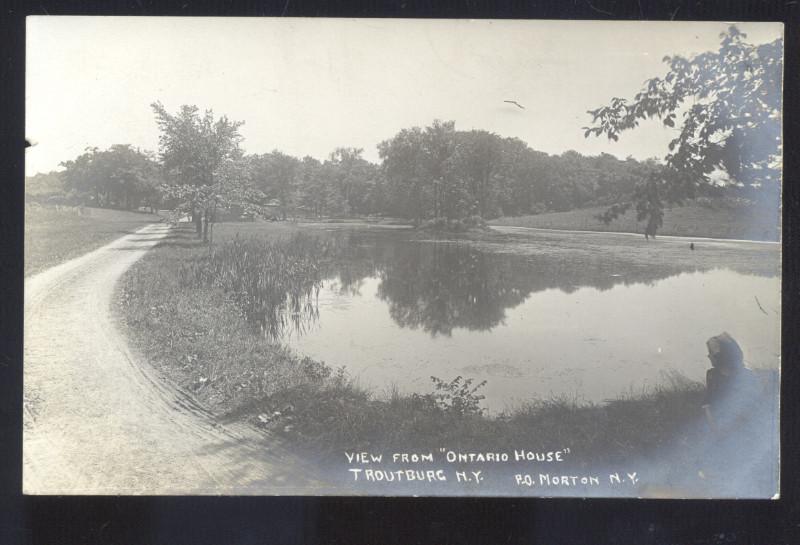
(307, 86)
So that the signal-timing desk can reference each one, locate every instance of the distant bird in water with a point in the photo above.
(691, 245)
(515, 103)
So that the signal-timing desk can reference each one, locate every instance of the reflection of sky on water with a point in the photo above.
(590, 343)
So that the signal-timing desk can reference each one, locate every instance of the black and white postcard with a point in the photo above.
(395, 257)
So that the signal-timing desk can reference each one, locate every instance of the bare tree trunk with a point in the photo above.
(213, 221)
(198, 222)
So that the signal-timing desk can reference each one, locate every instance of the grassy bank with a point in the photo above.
(54, 235)
(200, 339)
(710, 219)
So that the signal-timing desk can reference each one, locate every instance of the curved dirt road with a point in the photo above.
(98, 421)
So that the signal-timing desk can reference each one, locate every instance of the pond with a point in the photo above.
(539, 315)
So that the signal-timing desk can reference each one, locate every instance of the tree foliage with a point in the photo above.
(439, 172)
(275, 174)
(119, 177)
(426, 173)
(198, 155)
(725, 107)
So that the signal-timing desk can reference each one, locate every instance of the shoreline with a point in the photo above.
(687, 238)
(503, 229)
(197, 340)
(314, 389)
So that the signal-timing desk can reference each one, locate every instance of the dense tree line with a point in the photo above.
(119, 177)
(424, 173)
(730, 137)
(439, 172)
(344, 184)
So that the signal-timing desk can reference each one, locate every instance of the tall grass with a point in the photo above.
(275, 283)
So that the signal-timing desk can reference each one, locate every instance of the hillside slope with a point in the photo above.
(714, 220)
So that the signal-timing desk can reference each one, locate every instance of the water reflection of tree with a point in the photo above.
(354, 261)
(441, 286)
(436, 286)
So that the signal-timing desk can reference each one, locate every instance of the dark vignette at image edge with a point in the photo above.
(375, 520)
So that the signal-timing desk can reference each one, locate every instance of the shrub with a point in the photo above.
(458, 396)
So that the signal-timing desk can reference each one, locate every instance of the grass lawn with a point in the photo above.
(692, 220)
(53, 236)
(199, 340)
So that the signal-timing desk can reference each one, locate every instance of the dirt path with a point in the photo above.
(98, 421)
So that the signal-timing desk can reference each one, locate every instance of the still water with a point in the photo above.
(538, 318)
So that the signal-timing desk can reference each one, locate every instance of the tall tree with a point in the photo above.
(119, 177)
(726, 108)
(196, 152)
(438, 145)
(477, 162)
(276, 175)
(355, 179)
(402, 163)
(84, 176)
(45, 185)
(312, 187)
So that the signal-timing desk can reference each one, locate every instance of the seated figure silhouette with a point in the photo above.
(739, 452)
(730, 386)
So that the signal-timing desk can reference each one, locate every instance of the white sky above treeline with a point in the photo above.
(307, 86)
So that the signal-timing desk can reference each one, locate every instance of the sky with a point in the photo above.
(308, 86)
